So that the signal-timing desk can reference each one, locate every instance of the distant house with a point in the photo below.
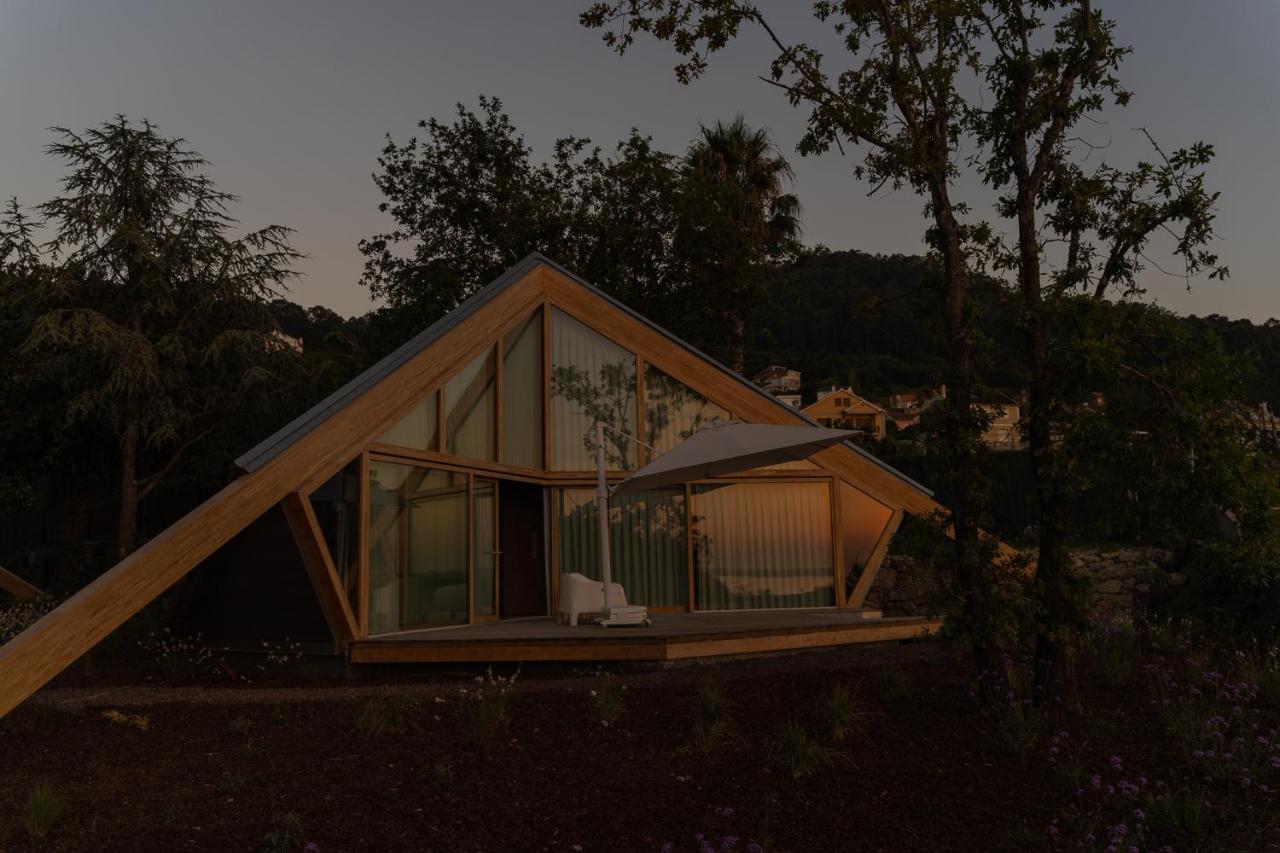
(792, 400)
(906, 401)
(778, 380)
(1005, 430)
(285, 341)
(841, 408)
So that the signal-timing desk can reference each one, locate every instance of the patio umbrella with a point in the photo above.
(728, 447)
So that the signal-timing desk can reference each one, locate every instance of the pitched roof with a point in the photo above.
(291, 432)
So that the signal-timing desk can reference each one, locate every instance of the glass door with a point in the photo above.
(486, 555)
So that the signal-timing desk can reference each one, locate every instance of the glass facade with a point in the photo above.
(417, 547)
(471, 409)
(417, 429)
(863, 520)
(762, 544)
(434, 536)
(673, 411)
(484, 530)
(592, 379)
(337, 508)
(522, 395)
(646, 543)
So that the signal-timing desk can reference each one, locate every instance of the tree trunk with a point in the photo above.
(737, 332)
(1052, 614)
(127, 531)
(963, 466)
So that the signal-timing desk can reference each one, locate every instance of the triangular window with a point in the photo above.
(673, 411)
(592, 379)
(337, 507)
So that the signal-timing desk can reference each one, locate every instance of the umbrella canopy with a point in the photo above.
(728, 447)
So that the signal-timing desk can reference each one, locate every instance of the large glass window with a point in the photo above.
(418, 543)
(337, 508)
(862, 522)
(673, 412)
(522, 395)
(592, 379)
(471, 409)
(762, 545)
(417, 429)
(646, 538)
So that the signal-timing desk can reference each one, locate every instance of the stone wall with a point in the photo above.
(1118, 578)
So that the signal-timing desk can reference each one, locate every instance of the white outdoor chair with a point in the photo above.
(580, 594)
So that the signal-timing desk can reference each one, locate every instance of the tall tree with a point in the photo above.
(736, 223)
(157, 327)
(899, 101)
(1049, 66)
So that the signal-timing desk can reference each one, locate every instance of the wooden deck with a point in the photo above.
(673, 637)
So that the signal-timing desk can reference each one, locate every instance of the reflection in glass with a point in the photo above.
(862, 521)
(337, 508)
(416, 429)
(471, 409)
(592, 379)
(762, 545)
(673, 412)
(522, 395)
(483, 523)
(646, 539)
(417, 547)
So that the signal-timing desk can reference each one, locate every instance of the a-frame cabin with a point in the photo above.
(450, 484)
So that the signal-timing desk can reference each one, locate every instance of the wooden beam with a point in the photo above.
(319, 562)
(872, 568)
(16, 586)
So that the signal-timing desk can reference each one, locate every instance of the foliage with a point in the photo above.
(802, 754)
(149, 318)
(487, 705)
(383, 715)
(16, 616)
(723, 838)
(610, 701)
(846, 711)
(44, 810)
(713, 725)
(286, 836)
(685, 240)
(439, 773)
(141, 722)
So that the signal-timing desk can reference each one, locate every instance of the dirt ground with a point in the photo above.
(302, 767)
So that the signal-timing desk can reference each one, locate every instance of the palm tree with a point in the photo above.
(738, 222)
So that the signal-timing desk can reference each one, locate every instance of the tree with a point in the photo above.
(898, 101)
(1044, 77)
(736, 223)
(156, 325)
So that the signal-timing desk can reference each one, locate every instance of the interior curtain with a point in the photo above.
(759, 545)
(646, 538)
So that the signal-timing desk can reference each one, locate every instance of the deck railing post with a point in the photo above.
(602, 509)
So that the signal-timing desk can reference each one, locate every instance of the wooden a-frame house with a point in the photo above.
(450, 485)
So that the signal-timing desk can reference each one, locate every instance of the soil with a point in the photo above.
(267, 768)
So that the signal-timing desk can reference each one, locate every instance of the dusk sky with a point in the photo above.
(290, 101)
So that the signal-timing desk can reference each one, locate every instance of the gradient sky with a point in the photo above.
(290, 101)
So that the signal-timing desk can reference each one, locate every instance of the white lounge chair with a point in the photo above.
(580, 594)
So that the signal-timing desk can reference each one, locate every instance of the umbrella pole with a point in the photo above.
(602, 510)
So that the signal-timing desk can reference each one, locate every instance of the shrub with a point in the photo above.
(438, 773)
(894, 686)
(847, 712)
(610, 699)
(713, 726)
(285, 836)
(383, 715)
(44, 810)
(488, 705)
(240, 725)
(802, 754)
(141, 722)
(17, 616)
